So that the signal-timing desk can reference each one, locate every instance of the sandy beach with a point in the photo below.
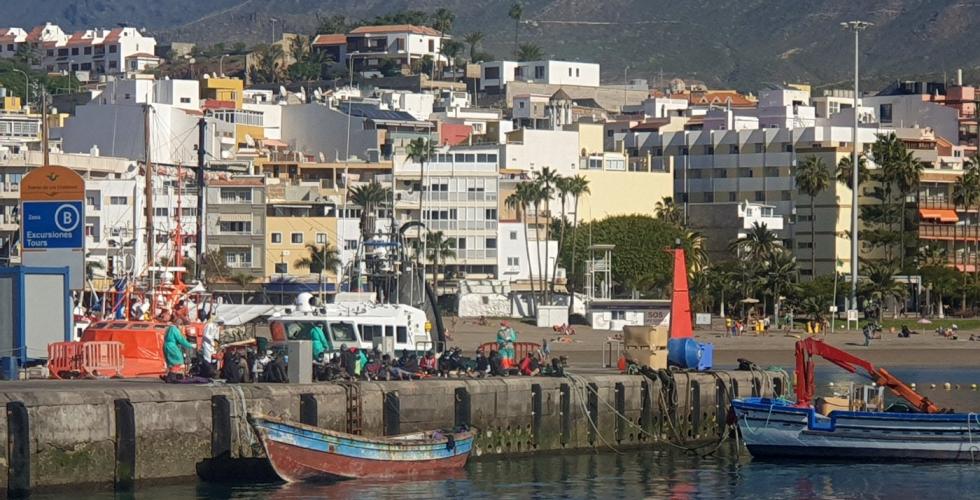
(926, 349)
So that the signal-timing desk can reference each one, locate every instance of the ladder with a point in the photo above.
(354, 408)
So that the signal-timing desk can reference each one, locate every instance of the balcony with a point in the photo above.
(949, 232)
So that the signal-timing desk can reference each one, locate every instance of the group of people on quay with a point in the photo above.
(263, 363)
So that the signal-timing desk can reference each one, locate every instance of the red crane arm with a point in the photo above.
(805, 384)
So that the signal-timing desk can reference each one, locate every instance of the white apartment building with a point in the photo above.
(461, 187)
(495, 75)
(512, 257)
(18, 130)
(114, 123)
(93, 52)
(751, 214)
(785, 108)
(370, 46)
(112, 230)
(911, 111)
(419, 105)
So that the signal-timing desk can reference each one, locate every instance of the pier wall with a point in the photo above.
(120, 432)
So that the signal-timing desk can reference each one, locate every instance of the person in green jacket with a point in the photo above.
(320, 343)
(173, 344)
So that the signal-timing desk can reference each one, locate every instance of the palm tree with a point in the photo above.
(442, 21)
(845, 174)
(519, 201)
(697, 259)
(880, 284)
(516, 12)
(887, 152)
(420, 150)
(577, 187)
(812, 177)
(320, 258)
(369, 197)
(242, 280)
(781, 273)
(907, 172)
(562, 185)
(546, 179)
(451, 49)
(529, 52)
(966, 193)
(757, 245)
(439, 248)
(668, 211)
(473, 40)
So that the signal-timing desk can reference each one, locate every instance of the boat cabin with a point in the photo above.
(390, 327)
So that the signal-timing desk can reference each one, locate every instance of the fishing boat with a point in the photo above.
(859, 427)
(306, 453)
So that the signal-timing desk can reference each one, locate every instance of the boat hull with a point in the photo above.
(304, 453)
(776, 429)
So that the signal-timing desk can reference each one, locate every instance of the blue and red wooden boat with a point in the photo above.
(302, 452)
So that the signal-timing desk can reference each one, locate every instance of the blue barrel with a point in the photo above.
(689, 354)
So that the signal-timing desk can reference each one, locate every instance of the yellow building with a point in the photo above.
(223, 97)
(617, 190)
(290, 228)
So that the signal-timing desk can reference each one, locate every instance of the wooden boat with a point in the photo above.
(303, 453)
(862, 427)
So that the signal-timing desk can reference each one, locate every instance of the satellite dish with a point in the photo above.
(323, 158)
(207, 76)
(249, 141)
(282, 91)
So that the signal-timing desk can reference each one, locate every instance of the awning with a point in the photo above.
(942, 215)
(274, 143)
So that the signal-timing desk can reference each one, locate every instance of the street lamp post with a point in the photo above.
(27, 86)
(857, 27)
(221, 65)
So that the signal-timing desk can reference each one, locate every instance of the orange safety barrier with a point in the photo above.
(85, 359)
(520, 348)
(64, 359)
(102, 359)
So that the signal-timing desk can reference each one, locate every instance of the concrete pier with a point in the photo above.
(121, 432)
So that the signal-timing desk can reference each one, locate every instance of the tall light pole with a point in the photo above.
(221, 65)
(27, 86)
(857, 27)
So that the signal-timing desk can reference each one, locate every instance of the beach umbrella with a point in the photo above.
(749, 301)
(924, 321)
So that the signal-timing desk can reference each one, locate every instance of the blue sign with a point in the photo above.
(53, 224)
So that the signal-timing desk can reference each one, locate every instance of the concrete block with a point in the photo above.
(300, 369)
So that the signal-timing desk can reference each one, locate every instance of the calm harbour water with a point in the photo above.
(636, 474)
(662, 473)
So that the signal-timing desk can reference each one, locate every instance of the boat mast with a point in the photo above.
(148, 188)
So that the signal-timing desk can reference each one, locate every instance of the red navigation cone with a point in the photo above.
(680, 301)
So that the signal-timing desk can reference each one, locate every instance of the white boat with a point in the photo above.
(863, 428)
(391, 327)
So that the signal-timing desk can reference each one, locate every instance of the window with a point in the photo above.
(86, 66)
(732, 196)
(185, 100)
(74, 51)
(513, 235)
(369, 332)
(87, 51)
(492, 73)
(733, 149)
(350, 244)
(62, 52)
(760, 196)
(432, 45)
(786, 195)
(161, 212)
(276, 238)
(491, 243)
(771, 171)
(491, 214)
(113, 49)
(538, 72)
(236, 195)
(238, 257)
(684, 151)
(282, 268)
(50, 52)
(188, 211)
(618, 315)
(787, 148)
(118, 200)
(113, 65)
(721, 173)
(759, 148)
(709, 197)
(709, 150)
(569, 71)
(577, 72)
(296, 238)
(461, 243)
(885, 113)
(401, 337)
(513, 261)
(235, 227)
(321, 238)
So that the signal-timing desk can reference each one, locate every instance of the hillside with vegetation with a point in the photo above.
(742, 44)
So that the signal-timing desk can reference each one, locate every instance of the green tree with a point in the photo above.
(438, 248)
(516, 12)
(214, 265)
(879, 284)
(668, 211)
(546, 178)
(520, 200)
(319, 259)
(908, 170)
(966, 193)
(812, 178)
(578, 186)
(887, 152)
(443, 20)
(473, 40)
(420, 150)
(563, 188)
(845, 174)
(451, 49)
(529, 52)
(369, 197)
(757, 245)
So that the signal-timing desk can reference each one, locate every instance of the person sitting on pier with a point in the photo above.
(428, 363)
(497, 367)
(348, 361)
(174, 344)
(482, 364)
(530, 365)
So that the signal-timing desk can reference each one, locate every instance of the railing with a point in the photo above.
(949, 231)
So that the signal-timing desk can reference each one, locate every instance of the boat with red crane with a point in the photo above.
(859, 427)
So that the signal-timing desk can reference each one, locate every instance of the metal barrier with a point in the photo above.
(521, 349)
(85, 359)
(608, 360)
(102, 359)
